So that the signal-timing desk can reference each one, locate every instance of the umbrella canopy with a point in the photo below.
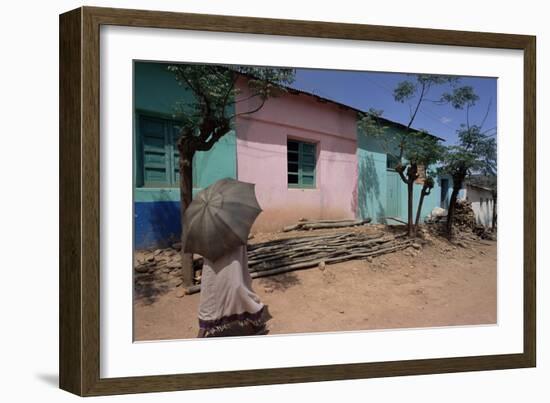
(219, 218)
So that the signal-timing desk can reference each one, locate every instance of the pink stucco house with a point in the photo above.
(300, 151)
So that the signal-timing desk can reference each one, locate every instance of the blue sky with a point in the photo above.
(364, 90)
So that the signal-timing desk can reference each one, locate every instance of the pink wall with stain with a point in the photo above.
(262, 158)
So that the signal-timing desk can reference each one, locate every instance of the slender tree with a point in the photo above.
(426, 190)
(474, 153)
(209, 114)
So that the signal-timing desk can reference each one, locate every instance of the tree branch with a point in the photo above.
(399, 169)
(486, 113)
(249, 112)
(420, 99)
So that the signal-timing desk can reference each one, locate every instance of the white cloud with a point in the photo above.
(445, 120)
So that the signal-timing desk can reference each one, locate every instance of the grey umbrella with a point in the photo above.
(219, 218)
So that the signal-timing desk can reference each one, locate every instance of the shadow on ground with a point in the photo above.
(148, 293)
(281, 282)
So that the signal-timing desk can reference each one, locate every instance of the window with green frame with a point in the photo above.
(301, 164)
(157, 156)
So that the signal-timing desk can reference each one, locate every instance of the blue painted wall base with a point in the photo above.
(156, 225)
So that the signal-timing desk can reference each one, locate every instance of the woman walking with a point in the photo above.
(217, 225)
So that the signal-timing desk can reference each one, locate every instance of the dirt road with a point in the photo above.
(438, 285)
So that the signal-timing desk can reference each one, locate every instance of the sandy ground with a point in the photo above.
(440, 285)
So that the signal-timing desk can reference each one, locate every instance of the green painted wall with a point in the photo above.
(372, 184)
(156, 93)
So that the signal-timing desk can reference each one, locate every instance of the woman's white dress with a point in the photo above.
(228, 305)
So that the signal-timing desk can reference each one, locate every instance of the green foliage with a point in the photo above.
(215, 92)
(476, 153)
(404, 91)
(372, 124)
(422, 149)
(432, 79)
(415, 146)
(460, 97)
(420, 85)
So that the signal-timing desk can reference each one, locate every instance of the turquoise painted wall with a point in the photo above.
(372, 184)
(157, 210)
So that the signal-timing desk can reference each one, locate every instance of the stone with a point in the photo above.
(438, 212)
(268, 289)
(369, 259)
(416, 246)
(176, 246)
(180, 292)
(322, 265)
(142, 269)
(173, 265)
(157, 252)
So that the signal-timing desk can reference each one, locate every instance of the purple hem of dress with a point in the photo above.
(237, 317)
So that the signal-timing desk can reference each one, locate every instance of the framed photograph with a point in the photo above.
(249, 201)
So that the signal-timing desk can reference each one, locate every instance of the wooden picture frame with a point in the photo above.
(79, 201)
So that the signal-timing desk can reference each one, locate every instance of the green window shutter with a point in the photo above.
(154, 156)
(159, 162)
(293, 163)
(174, 153)
(301, 162)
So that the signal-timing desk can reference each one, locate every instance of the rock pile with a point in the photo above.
(157, 271)
(464, 217)
(464, 223)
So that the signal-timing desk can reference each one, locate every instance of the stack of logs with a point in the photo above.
(284, 255)
(308, 225)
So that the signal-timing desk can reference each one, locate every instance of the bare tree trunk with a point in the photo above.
(412, 173)
(410, 225)
(426, 189)
(186, 196)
